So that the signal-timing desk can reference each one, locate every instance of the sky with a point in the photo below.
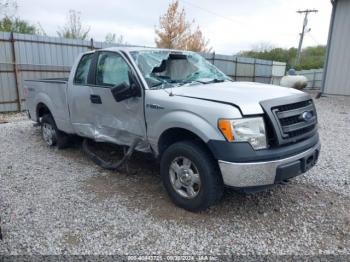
(230, 25)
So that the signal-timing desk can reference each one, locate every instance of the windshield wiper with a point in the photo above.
(214, 80)
(162, 85)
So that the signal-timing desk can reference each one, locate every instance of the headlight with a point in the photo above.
(251, 130)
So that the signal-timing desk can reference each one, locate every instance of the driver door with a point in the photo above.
(116, 122)
(79, 93)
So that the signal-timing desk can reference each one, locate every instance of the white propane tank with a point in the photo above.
(293, 80)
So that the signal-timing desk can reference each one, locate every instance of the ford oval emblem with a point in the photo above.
(306, 116)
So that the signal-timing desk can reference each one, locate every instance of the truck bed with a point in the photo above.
(53, 93)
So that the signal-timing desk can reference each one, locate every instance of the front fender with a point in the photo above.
(185, 120)
(195, 115)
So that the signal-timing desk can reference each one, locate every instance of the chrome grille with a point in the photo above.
(295, 120)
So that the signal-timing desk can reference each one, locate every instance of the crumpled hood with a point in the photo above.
(246, 95)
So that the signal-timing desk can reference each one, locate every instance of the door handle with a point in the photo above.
(95, 99)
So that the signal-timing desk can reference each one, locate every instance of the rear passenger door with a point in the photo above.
(116, 122)
(79, 98)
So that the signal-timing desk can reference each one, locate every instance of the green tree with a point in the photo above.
(113, 39)
(10, 23)
(74, 28)
(311, 57)
(17, 25)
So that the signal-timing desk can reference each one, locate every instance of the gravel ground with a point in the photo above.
(59, 202)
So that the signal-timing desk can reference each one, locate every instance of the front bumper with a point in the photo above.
(253, 174)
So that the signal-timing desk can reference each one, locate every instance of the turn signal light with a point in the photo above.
(226, 129)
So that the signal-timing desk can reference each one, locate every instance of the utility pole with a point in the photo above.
(306, 12)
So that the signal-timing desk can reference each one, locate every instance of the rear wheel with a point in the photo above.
(191, 176)
(51, 135)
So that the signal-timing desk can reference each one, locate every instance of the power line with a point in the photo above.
(315, 40)
(225, 17)
(213, 13)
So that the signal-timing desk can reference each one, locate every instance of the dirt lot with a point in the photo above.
(57, 201)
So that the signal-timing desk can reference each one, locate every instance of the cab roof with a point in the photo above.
(137, 48)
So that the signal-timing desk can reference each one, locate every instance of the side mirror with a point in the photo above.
(124, 91)
(121, 92)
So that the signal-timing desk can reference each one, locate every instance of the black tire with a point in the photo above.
(59, 138)
(211, 189)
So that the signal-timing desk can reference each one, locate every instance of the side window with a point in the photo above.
(82, 71)
(111, 70)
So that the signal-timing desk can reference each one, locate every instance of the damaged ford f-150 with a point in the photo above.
(206, 130)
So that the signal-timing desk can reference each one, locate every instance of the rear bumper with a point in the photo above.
(252, 174)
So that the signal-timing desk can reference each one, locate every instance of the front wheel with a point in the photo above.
(191, 176)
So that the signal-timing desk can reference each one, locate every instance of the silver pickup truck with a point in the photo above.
(206, 130)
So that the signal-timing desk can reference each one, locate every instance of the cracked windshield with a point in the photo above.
(163, 69)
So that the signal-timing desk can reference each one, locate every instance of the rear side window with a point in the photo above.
(81, 75)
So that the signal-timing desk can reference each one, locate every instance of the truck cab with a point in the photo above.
(206, 130)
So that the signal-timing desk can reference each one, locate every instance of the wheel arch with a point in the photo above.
(177, 134)
(41, 110)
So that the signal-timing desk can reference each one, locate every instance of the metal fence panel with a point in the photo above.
(263, 68)
(314, 77)
(278, 68)
(8, 95)
(5, 48)
(227, 64)
(245, 69)
(263, 71)
(278, 71)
